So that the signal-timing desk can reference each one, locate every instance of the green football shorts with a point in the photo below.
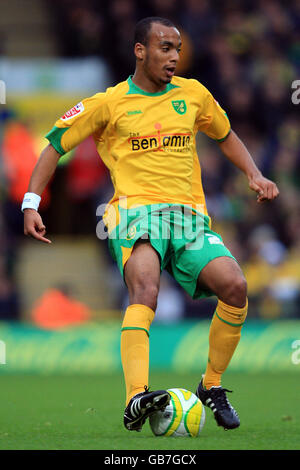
(181, 236)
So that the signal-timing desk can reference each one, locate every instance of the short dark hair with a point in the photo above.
(142, 28)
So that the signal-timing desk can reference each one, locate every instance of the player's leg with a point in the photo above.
(142, 276)
(220, 275)
(224, 277)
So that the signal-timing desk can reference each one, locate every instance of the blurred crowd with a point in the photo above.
(247, 53)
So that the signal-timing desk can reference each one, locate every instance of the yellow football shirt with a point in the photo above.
(147, 140)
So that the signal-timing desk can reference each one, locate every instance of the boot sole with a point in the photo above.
(159, 402)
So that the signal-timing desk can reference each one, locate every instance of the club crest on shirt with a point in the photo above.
(77, 109)
(179, 106)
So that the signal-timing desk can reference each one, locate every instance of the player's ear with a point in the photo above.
(139, 50)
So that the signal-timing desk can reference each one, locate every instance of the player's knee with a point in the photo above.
(235, 292)
(145, 293)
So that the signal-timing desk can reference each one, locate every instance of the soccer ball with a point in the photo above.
(184, 416)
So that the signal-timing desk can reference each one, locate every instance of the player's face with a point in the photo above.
(161, 53)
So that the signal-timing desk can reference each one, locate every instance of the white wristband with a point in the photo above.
(31, 201)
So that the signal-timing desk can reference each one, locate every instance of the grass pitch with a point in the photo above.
(67, 412)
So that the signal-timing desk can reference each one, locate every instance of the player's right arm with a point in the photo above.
(43, 170)
(86, 118)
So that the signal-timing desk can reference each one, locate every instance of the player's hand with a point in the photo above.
(33, 225)
(266, 190)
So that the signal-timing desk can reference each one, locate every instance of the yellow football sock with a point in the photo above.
(224, 336)
(135, 348)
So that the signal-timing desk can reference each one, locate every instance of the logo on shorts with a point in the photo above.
(213, 239)
(179, 106)
(131, 233)
(73, 112)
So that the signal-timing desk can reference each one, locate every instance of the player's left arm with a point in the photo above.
(234, 149)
